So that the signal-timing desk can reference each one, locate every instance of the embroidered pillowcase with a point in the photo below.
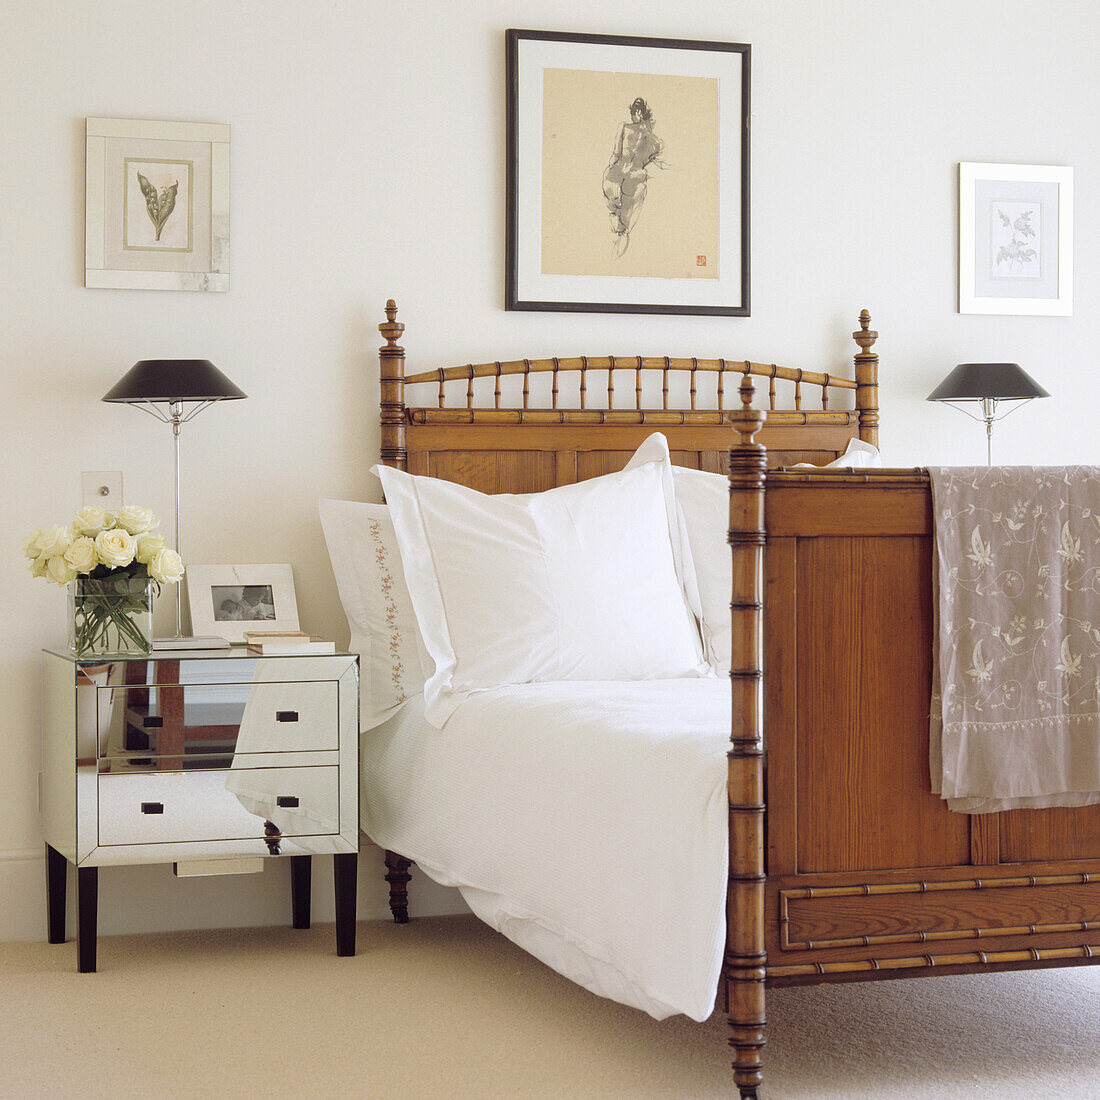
(371, 581)
(574, 583)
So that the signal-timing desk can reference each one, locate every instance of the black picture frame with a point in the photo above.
(584, 281)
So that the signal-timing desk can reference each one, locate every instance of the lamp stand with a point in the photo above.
(989, 417)
(989, 414)
(177, 419)
(175, 412)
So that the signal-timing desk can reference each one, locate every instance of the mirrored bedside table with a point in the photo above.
(210, 760)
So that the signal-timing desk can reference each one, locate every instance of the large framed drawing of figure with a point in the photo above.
(628, 174)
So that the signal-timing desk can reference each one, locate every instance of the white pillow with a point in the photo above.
(857, 456)
(703, 501)
(575, 583)
(371, 581)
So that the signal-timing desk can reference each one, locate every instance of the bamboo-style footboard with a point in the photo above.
(843, 864)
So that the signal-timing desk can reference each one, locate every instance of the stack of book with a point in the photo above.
(283, 643)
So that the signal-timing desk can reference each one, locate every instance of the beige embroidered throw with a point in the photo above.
(1015, 717)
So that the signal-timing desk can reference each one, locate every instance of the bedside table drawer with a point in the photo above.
(169, 721)
(171, 807)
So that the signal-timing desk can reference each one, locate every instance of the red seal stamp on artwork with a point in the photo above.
(700, 261)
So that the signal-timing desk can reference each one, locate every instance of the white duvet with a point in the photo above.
(586, 821)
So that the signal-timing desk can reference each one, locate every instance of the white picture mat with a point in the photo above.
(203, 579)
(99, 271)
(533, 56)
(1060, 236)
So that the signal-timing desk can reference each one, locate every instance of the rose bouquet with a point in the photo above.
(115, 565)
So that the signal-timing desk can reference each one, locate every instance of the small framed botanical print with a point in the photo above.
(157, 205)
(1015, 239)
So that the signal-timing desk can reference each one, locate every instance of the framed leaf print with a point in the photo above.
(628, 174)
(1015, 239)
(156, 205)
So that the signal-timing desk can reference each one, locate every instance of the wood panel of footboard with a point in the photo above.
(868, 873)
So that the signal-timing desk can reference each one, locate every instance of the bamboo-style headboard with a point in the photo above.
(484, 444)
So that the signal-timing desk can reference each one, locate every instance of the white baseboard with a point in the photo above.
(152, 899)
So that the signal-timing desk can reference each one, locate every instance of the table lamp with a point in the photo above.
(988, 383)
(175, 391)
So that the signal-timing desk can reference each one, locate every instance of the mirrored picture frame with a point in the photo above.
(156, 205)
(1015, 239)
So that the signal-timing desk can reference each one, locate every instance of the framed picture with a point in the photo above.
(157, 205)
(628, 174)
(227, 600)
(1015, 239)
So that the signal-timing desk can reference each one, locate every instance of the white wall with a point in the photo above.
(368, 162)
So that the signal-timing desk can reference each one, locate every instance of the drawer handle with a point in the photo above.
(286, 716)
(288, 800)
(152, 720)
(152, 807)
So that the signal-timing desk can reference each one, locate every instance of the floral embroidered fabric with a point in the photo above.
(385, 580)
(1015, 715)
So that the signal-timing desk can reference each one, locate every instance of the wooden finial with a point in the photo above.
(391, 329)
(865, 336)
(746, 420)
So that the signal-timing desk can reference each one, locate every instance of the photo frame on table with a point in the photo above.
(156, 205)
(227, 600)
(1015, 239)
(628, 174)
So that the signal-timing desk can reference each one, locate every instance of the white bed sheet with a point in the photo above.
(585, 821)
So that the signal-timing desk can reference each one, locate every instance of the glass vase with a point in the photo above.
(111, 616)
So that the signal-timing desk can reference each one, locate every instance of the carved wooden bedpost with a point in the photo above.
(866, 380)
(745, 955)
(392, 401)
(392, 390)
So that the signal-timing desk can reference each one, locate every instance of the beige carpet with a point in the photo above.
(443, 1007)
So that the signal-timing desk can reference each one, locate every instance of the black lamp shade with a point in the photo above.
(173, 380)
(975, 381)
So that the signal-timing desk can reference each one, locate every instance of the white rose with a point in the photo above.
(135, 519)
(59, 571)
(115, 547)
(166, 567)
(37, 566)
(54, 541)
(147, 547)
(92, 519)
(82, 555)
(30, 543)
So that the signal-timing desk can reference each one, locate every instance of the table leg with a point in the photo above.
(87, 898)
(344, 869)
(56, 873)
(301, 884)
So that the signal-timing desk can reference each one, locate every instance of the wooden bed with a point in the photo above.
(843, 864)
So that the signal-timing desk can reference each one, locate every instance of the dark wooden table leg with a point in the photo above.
(344, 869)
(56, 873)
(301, 884)
(87, 899)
